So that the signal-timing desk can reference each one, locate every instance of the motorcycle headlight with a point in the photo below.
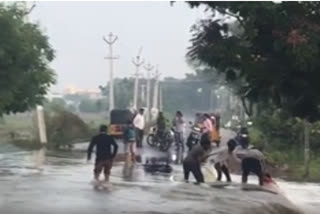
(244, 135)
(249, 123)
(197, 129)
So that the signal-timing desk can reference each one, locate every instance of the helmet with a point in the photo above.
(243, 132)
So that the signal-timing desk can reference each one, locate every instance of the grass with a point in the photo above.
(24, 130)
(94, 120)
(288, 160)
(20, 124)
(289, 165)
(297, 172)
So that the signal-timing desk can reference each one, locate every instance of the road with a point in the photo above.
(48, 182)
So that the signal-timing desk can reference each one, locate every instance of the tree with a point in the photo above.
(272, 49)
(88, 105)
(274, 53)
(123, 92)
(102, 105)
(178, 94)
(25, 53)
(55, 104)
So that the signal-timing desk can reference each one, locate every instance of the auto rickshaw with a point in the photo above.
(118, 121)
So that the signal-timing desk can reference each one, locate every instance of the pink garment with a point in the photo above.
(207, 126)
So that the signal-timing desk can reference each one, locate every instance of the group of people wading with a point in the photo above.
(236, 149)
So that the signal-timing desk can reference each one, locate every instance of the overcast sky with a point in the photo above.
(76, 28)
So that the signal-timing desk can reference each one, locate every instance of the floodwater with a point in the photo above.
(49, 182)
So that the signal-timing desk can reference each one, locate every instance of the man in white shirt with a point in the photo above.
(139, 124)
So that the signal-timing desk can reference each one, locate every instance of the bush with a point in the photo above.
(280, 132)
(283, 138)
(257, 138)
(65, 128)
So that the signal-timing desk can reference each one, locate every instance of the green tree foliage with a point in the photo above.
(271, 49)
(123, 92)
(88, 105)
(189, 95)
(25, 53)
(281, 136)
(93, 106)
(77, 98)
(55, 104)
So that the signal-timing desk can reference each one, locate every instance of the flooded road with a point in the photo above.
(59, 182)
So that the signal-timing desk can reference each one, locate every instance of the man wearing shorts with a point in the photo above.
(104, 154)
(129, 138)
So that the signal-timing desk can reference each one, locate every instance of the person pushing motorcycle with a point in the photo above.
(161, 125)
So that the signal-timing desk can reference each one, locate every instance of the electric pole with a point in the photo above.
(143, 94)
(110, 41)
(160, 97)
(137, 62)
(155, 105)
(148, 68)
(38, 114)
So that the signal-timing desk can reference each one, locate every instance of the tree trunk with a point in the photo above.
(247, 107)
(306, 148)
(242, 114)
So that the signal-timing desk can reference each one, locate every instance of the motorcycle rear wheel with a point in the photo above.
(151, 140)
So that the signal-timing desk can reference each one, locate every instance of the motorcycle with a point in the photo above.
(194, 136)
(152, 138)
(162, 142)
(169, 138)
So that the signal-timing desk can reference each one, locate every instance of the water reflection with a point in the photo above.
(40, 157)
(128, 168)
(176, 156)
(66, 171)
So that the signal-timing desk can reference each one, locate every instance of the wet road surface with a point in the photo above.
(49, 182)
(62, 185)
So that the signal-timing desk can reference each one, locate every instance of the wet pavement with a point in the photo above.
(50, 182)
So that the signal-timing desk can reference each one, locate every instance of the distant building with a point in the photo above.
(51, 96)
(91, 93)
